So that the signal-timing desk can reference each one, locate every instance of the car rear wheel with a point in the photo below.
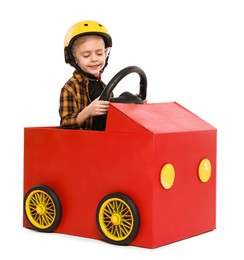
(42, 208)
(118, 219)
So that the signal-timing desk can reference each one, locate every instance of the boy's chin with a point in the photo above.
(94, 72)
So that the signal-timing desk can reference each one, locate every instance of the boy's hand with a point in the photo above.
(98, 107)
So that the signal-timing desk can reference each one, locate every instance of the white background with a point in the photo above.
(192, 53)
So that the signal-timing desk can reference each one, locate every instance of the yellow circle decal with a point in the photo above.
(167, 176)
(204, 170)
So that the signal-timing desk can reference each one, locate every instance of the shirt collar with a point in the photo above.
(80, 74)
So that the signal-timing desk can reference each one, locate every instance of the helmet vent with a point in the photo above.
(86, 24)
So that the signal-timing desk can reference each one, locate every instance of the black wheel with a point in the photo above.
(126, 97)
(118, 219)
(42, 208)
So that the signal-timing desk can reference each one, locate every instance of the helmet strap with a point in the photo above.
(106, 61)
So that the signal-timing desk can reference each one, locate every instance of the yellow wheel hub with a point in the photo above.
(40, 209)
(116, 219)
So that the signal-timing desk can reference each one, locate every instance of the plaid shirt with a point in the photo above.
(74, 97)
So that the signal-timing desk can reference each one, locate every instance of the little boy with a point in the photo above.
(86, 48)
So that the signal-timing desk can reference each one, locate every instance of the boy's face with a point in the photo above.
(90, 55)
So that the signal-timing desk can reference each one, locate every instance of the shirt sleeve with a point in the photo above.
(68, 109)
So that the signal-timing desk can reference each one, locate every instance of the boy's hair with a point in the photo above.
(83, 39)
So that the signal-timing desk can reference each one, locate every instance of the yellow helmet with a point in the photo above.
(87, 27)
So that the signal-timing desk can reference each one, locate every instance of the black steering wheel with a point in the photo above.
(126, 97)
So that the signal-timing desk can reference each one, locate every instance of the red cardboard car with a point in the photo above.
(148, 179)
